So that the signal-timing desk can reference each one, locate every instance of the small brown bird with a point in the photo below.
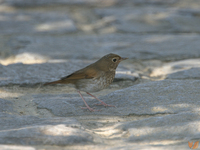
(94, 77)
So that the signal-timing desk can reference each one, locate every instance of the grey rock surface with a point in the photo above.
(21, 3)
(159, 128)
(32, 131)
(5, 106)
(156, 90)
(178, 69)
(23, 74)
(160, 97)
(32, 74)
(193, 73)
(161, 47)
(19, 22)
(152, 19)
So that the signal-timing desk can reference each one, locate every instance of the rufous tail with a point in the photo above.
(61, 82)
(54, 82)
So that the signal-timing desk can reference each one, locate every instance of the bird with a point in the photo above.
(93, 78)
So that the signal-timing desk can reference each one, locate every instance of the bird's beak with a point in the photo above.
(123, 58)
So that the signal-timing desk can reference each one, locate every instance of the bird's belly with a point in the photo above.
(93, 85)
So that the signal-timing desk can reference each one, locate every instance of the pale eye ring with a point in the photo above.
(114, 59)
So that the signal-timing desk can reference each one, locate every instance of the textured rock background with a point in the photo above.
(156, 91)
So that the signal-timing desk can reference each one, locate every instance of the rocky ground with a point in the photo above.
(156, 91)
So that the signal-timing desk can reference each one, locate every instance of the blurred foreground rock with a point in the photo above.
(156, 90)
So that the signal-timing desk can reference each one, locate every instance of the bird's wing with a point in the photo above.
(85, 73)
(82, 74)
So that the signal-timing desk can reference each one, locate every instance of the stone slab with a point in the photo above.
(146, 47)
(183, 69)
(193, 73)
(6, 106)
(160, 97)
(25, 74)
(28, 22)
(29, 130)
(181, 126)
(148, 19)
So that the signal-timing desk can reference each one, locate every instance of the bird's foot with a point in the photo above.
(104, 104)
(90, 109)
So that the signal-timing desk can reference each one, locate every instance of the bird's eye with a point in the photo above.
(114, 59)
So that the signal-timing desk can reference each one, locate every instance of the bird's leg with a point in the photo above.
(87, 107)
(102, 103)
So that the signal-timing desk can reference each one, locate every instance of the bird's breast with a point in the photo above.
(95, 84)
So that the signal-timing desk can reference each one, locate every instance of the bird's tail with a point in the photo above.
(54, 82)
(61, 82)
